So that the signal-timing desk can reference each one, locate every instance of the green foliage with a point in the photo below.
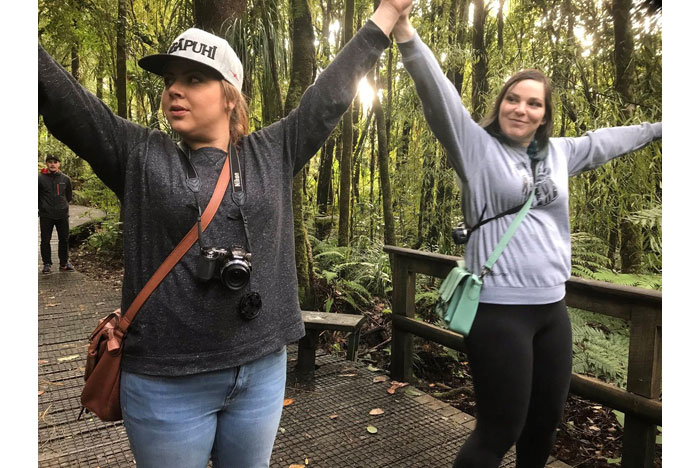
(588, 261)
(106, 238)
(357, 274)
(600, 346)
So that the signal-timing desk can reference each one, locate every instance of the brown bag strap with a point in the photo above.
(179, 251)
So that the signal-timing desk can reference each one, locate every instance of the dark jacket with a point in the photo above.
(55, 191)
(187, 327)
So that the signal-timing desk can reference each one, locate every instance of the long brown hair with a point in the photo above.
(490, 122)
(239, 125)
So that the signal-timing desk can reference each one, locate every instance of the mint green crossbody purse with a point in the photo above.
(460, 291)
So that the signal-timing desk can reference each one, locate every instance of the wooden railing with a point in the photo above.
(640, 307)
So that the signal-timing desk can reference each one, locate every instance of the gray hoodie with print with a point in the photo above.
(496, 177)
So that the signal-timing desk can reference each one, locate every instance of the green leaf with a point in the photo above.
(620, 416)
(371, 429)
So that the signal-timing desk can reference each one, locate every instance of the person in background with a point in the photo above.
(55, 193)
(204, 362)
(519, 346)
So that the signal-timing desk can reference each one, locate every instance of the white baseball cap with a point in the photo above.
(201, 47)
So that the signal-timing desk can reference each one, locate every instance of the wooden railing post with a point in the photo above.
(643, 378)
(404, 304)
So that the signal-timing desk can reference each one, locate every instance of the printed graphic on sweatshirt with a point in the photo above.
(545, 188)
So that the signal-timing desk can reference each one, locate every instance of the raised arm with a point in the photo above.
(85, 124)
(464, 140)
(600, 146)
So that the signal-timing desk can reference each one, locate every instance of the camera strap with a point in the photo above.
(516, 209)
(178, 252)
(237, 186)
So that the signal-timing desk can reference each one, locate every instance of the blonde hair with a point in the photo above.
(238, 124)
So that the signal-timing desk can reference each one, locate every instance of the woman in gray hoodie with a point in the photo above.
(519, 347)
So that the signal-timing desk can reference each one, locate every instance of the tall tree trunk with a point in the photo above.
(500, 24)
(214, 15)
(75, 59)
(383, 159)
(346, 161)
(372, 164)
(121, 89)
(303, 56)
(459, 12)
(427, 196)
(121, 59)
(325, 172)
(630, 233)
(272, 94)
(480, 85)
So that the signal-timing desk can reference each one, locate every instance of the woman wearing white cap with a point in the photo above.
(204, 361)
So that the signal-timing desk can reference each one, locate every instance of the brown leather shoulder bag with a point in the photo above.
(101, 391)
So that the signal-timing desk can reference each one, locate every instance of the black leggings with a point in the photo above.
(520, 359)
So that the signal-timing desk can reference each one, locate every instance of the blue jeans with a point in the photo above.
(231, 414)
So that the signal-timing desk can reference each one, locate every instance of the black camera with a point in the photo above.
(232, 266)
(460, 234)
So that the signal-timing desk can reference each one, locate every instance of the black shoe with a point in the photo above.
(67, 267)
(46, 269)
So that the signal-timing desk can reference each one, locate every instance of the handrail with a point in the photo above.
(641, 307)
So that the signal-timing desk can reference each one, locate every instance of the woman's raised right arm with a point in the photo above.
(463, 139)
(85, 124)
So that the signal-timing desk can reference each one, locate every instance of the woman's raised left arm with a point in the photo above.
(600, 146)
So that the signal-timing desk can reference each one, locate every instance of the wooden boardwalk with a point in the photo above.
(325, 426)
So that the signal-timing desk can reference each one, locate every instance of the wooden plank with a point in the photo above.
(404, 304)
(331, 321)
(616, 398)
(429, 332)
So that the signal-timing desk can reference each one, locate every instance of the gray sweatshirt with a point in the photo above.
(187, 327)
(496, 176)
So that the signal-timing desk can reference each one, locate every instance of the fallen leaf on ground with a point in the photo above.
(41, 392)
(376, 411)
(348, 375)
(296, 465)
(287, 401)
(395, 385)
(380, 378)
(52, 304)
(43, 361)
(371, 429)
(100, 303)
(72, 357)
(333, 416)
(371, 368)
(412, 392)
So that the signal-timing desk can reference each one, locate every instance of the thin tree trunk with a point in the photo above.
(121, 59)
(630, 233)
(346, 161)
(383, 159)
(303, 56)
(480, 85)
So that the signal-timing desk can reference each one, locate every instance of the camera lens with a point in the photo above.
(235, 274)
